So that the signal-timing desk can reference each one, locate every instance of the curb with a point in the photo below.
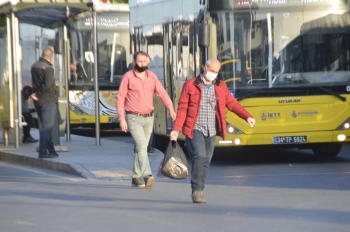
(40, 163)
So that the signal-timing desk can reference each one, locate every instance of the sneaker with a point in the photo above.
(197, 197)
(54, 154)
(203, 199)
(149, 180)
(29, 140)
(137, 182)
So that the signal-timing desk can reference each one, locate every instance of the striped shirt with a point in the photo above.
(206, 118)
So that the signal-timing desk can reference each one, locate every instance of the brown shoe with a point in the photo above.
(149, 181)
(197, 197)
(137, 182)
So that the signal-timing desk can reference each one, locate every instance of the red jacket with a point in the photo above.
(189, 103)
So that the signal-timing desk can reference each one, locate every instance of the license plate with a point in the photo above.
(289, 139)
(113, 119)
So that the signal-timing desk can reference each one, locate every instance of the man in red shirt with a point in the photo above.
(201, 116)
(135, 96)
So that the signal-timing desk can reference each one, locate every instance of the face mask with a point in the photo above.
(140, 69)
(210, 76)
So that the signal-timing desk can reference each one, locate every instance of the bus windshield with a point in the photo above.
(266, 46)
(112, 50)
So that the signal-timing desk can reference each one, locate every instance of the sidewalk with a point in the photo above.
(110, 160)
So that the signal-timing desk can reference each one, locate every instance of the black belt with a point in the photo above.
(141, 115)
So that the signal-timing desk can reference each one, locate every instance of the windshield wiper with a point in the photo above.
(332, 93)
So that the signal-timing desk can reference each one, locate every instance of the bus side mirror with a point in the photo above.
(203, 35)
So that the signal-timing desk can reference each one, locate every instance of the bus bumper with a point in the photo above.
(300, 138)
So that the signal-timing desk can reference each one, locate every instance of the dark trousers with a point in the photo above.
(200, 149)
(28, 118)
(47, 115)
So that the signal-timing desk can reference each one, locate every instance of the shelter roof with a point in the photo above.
(44, 13)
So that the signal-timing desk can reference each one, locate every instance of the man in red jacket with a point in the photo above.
(201, 116)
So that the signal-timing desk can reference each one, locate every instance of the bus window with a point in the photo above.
(112, 48)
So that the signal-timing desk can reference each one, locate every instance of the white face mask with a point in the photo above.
(210, 76)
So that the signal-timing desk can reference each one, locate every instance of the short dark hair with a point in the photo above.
(47, 53)
(142, 53)
(27, 91)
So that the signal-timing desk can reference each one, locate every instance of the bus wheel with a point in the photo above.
(327, 149)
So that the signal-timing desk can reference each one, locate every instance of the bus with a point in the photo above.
(287, 62)
(113, 58)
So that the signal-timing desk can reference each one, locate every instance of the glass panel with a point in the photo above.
(308, 47)
(3, 51)
(5, 114)
(112, 50)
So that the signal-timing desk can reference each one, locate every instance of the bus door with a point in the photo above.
(168, 67)
(139, 41)
(185, 58)
(186, 55)
(154, 45)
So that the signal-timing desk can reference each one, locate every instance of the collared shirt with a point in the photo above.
(206, 117)
(136, 95)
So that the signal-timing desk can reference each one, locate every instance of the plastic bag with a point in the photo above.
(174, 164)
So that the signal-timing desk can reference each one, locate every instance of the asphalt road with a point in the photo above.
(264, 190)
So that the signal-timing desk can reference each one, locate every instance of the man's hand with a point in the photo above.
(173, 135)
(251, 121)
(124, 126)
(34, 97)
(173, 115)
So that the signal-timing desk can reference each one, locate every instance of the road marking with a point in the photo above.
(107, 173)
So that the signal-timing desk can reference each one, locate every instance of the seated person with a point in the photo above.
(26, 113)
(73, 72)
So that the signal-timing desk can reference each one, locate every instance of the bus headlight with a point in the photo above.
(345, 125)
(341, 138)
(232, 129)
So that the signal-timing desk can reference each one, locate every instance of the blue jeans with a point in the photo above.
(200, 149)
(47, 115)
(140, 129)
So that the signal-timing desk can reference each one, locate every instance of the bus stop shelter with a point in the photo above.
(43, 13)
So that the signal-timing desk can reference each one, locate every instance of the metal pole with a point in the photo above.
(67, 76)
(17, 117)
(6, 137)
(97, 96)
(10, 71)
(18, 81)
